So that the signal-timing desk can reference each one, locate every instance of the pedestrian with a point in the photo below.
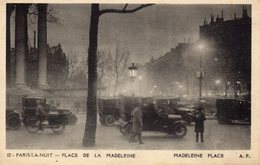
(199, 124)
(137, 126)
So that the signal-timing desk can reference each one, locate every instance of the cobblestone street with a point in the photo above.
(217, 137)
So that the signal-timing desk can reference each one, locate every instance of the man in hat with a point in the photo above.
(137, 129)
(199, 123)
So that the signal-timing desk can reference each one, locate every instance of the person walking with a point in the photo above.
(137, 129)
(199, 124)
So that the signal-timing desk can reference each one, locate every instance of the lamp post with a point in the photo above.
(217, 82)
(139, 85)
(133, 72)
(200, 73)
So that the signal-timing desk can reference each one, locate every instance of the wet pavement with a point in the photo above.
(217, 137)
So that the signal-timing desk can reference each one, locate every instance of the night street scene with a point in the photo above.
(128, 77)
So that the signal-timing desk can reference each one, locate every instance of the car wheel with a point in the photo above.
(222, 118)
(32, 125)
(110, 120)
(28, 119)
(58, 128)
(13, 122)
(179, 130)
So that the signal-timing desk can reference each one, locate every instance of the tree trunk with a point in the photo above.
(91, 118)
(9, 11)
(42, 45)
(21, 46)
(116, 87)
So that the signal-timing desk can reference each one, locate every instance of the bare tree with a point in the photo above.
(91, 119)
(103, 64)
(50, 14)
(119, 65)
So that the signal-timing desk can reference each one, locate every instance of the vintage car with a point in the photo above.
(230, 110)
(172, 106)
(108, 111)
(156, 120)
(13, 120)
(186, 112)
(31, 104)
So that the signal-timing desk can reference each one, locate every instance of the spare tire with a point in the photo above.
(13, 122)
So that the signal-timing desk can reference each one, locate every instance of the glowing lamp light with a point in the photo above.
(217, 82)
(201, 46)
(133, 70)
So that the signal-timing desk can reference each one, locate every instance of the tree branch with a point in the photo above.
(124, 10)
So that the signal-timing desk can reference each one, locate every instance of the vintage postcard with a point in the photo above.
(130, 82)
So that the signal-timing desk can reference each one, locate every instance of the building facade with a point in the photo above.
(57, 67)
(230, 42)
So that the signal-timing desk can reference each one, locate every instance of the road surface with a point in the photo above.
(217, 137)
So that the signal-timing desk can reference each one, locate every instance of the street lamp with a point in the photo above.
(200, 73)
(217, 82)
(133, 72)
(139, 85)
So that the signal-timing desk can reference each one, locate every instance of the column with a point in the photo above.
(20, 43)
(42, 45)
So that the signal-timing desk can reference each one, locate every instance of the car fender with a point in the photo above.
(180, 122)
(13, 113)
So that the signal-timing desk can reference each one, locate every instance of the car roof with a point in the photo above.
(33, 97)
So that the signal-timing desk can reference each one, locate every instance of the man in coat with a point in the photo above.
(199, 124)
(137, 129)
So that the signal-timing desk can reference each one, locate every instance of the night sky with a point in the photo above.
(152, 31)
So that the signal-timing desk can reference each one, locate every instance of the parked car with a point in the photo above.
(229, 110)
(30, 105)
(156, 120)
(186, 112)
(172, 106)
(108, 110)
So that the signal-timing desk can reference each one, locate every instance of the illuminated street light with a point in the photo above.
(133, 70)
(200, 74)
(181, 86)
(133, 73)
(217, 82)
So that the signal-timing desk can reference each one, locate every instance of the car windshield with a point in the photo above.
(33, 102)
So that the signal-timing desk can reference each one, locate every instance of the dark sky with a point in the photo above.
(152, 31)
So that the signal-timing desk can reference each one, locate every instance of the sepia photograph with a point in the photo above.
(128, 76)
(133, 82)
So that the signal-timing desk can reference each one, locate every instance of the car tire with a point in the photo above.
(110, 120)
(179, 130)
(13, 122)
(58, 128)
(28, 118)
(32, 125)
(222, 119)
